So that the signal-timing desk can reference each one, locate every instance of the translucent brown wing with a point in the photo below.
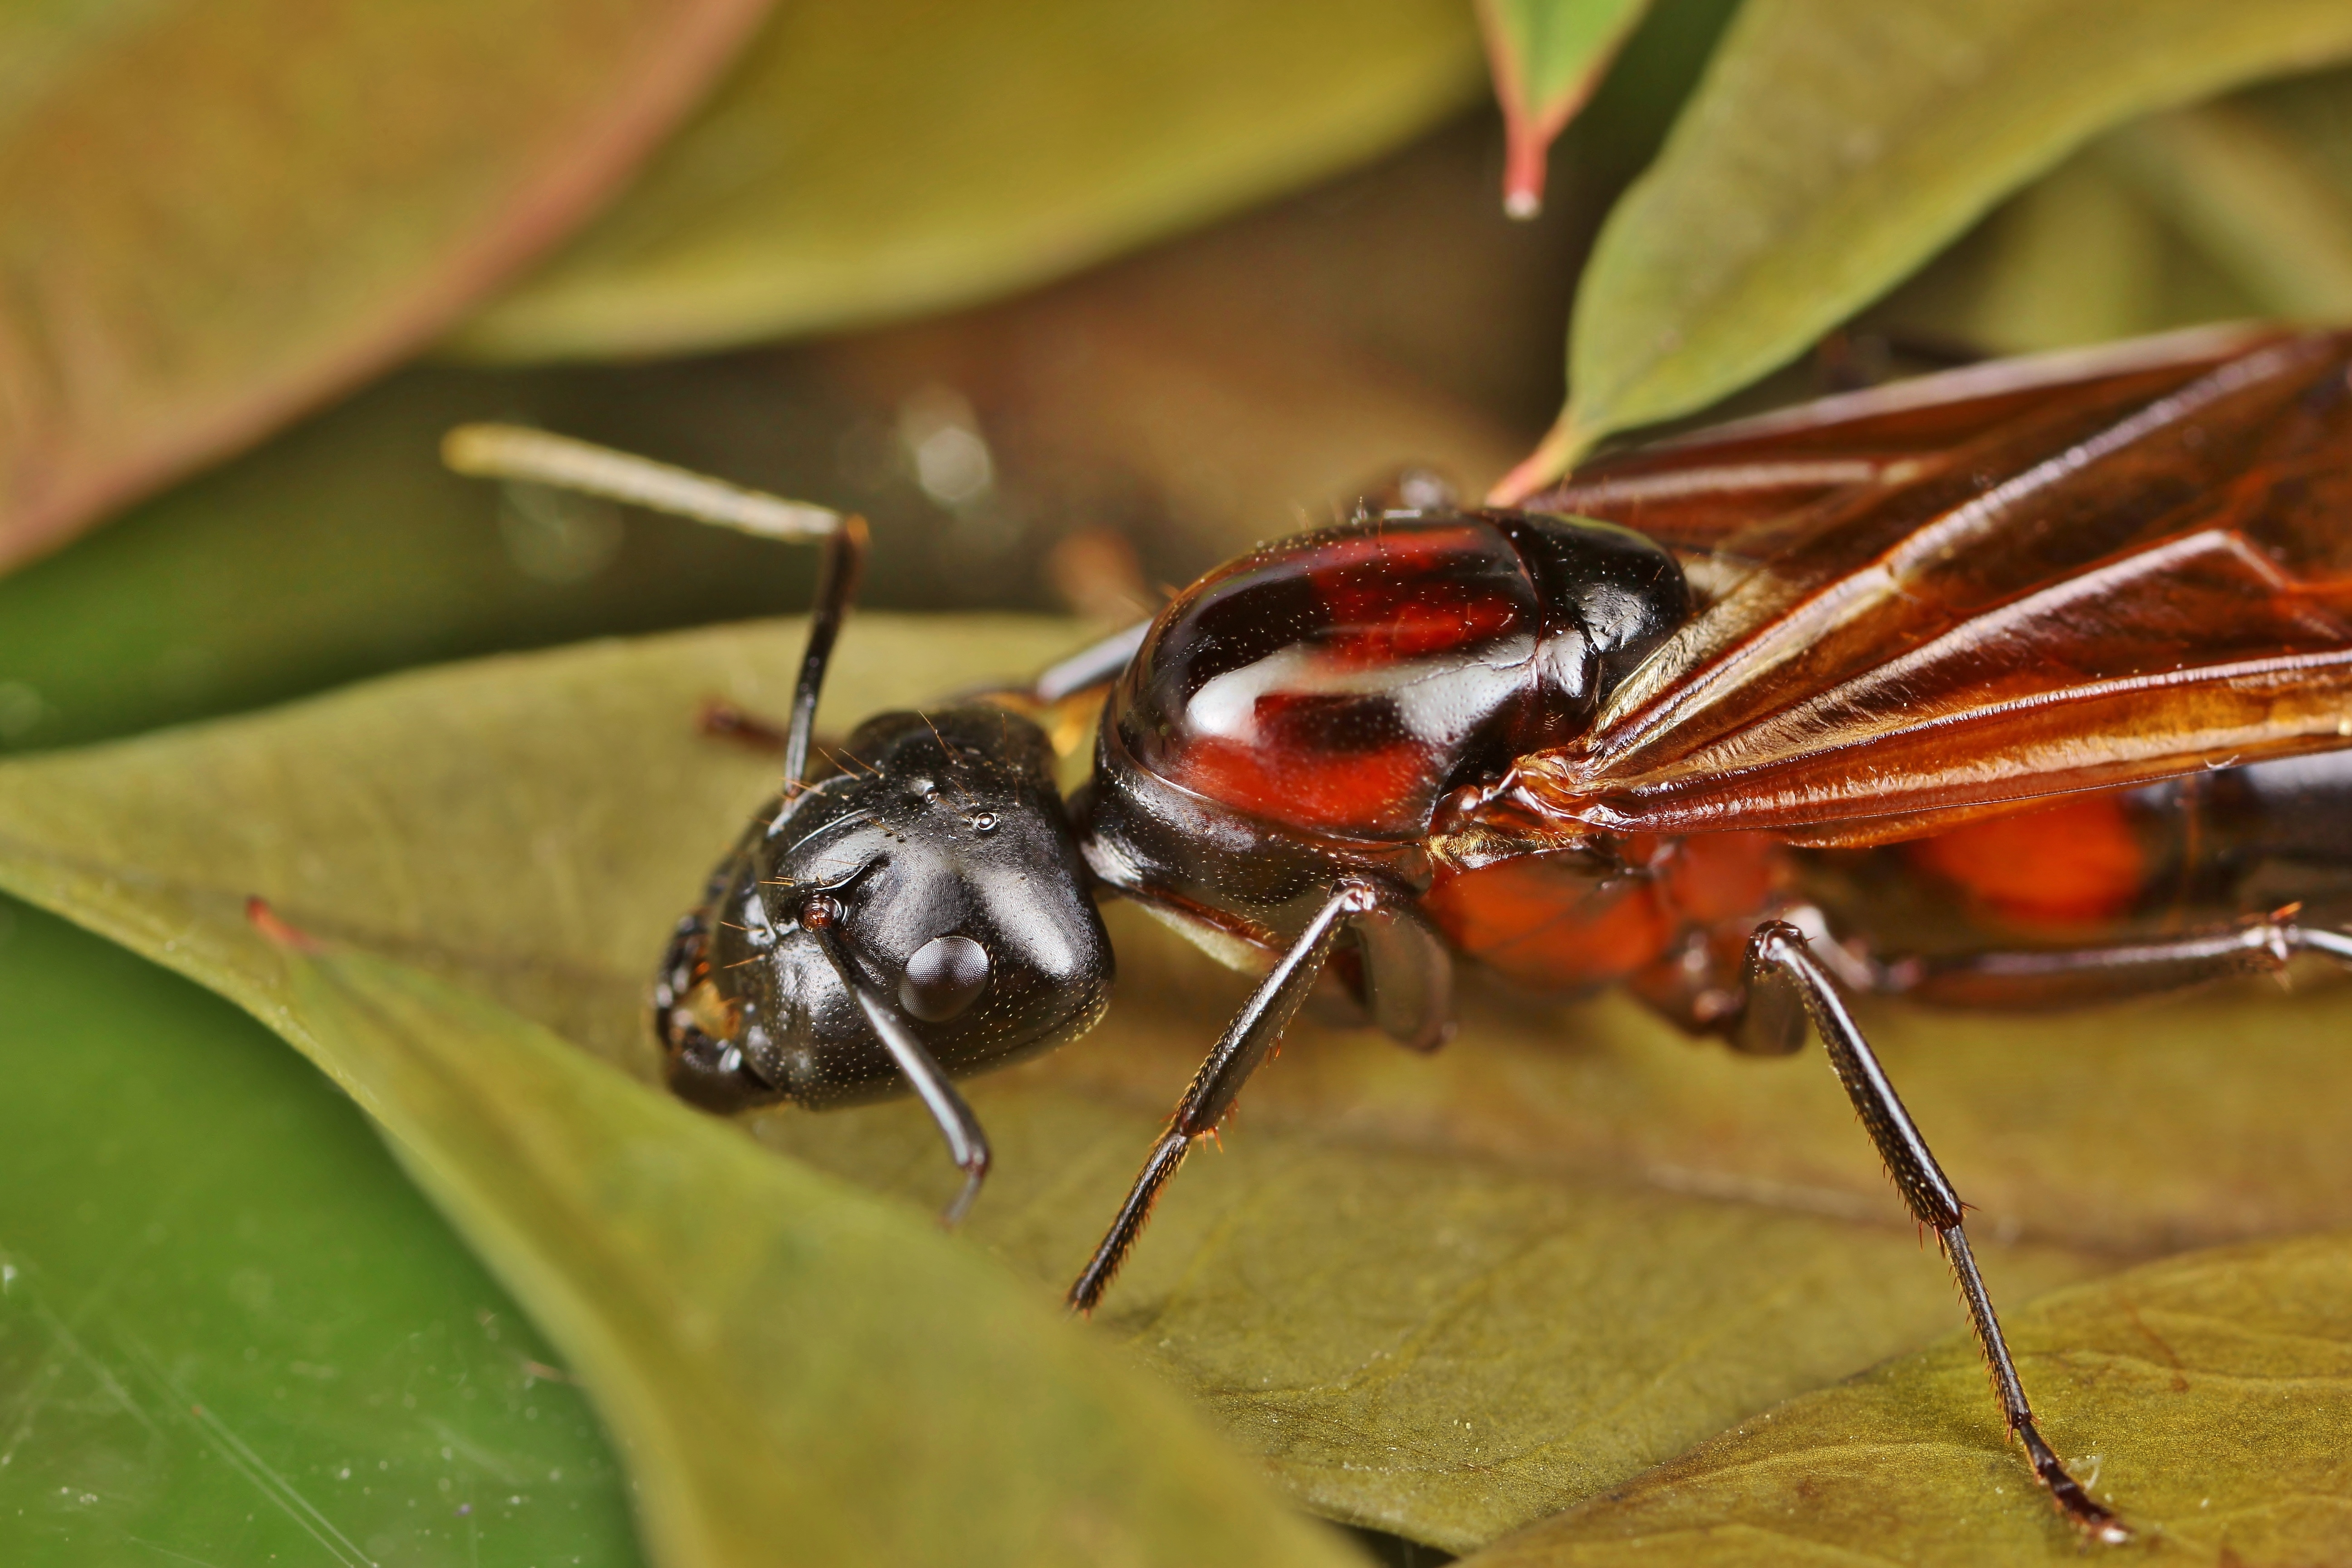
(2071, 581)
(1698, 490)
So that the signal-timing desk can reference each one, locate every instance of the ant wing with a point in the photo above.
(1705, 490)
(2104, 581)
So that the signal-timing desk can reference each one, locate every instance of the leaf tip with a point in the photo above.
(1526, 145)
(1526, 134)
(1542, 81)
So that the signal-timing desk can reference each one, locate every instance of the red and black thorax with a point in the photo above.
(1325, 701)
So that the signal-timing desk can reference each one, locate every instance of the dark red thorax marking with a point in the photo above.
(1338, 682)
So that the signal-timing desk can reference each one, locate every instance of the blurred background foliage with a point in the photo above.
(1073, 300)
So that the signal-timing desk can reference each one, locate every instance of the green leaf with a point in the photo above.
(1547, 57)
(2078, 257)
(1836, 144)
(875, 161)
(2237, 208)
(229, 1328)
(2209, 1395)
(798, 1371)
(2257, 191)
(212, 217)
(1446, 1296)
(795, 1371)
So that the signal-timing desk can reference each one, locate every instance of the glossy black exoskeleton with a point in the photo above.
(951, 841)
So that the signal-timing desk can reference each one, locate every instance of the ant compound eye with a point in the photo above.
(820, 912)
(946, 975)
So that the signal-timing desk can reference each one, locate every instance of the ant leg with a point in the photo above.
(967, 1141)
(2062, 977)
(836, 583)
(722, 721)
(1244, 1044)
(1093, 664)
(1786, 984)
(1408, 977)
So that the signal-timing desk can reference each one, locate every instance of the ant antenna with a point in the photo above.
(535, 457)
(837, 585)
(967, 1142)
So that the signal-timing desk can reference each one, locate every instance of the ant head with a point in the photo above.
(940, 865)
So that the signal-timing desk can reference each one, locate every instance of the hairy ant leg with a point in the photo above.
(1383, 922)
(1408, 977)
(1786, 986)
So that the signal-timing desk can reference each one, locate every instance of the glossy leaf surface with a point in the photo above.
(2209, 1393)
(1447, 1296)
(229, 1328)
(213, 215)
(1547, 57)
(1836, 144)
(879, 160)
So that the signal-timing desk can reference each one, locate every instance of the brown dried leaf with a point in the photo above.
(214, 215)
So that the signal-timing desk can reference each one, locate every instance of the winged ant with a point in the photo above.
(1601, 737)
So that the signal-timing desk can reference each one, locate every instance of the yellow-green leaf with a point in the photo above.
(876, 160)
(212, 217)
(2247, 183)
(1836, 144)
(2078, 257)
(2206, 1397)
(1417, 1337)
(796, 1371)
(1444, 1295)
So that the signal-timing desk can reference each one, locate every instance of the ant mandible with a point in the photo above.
(1594, 740)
